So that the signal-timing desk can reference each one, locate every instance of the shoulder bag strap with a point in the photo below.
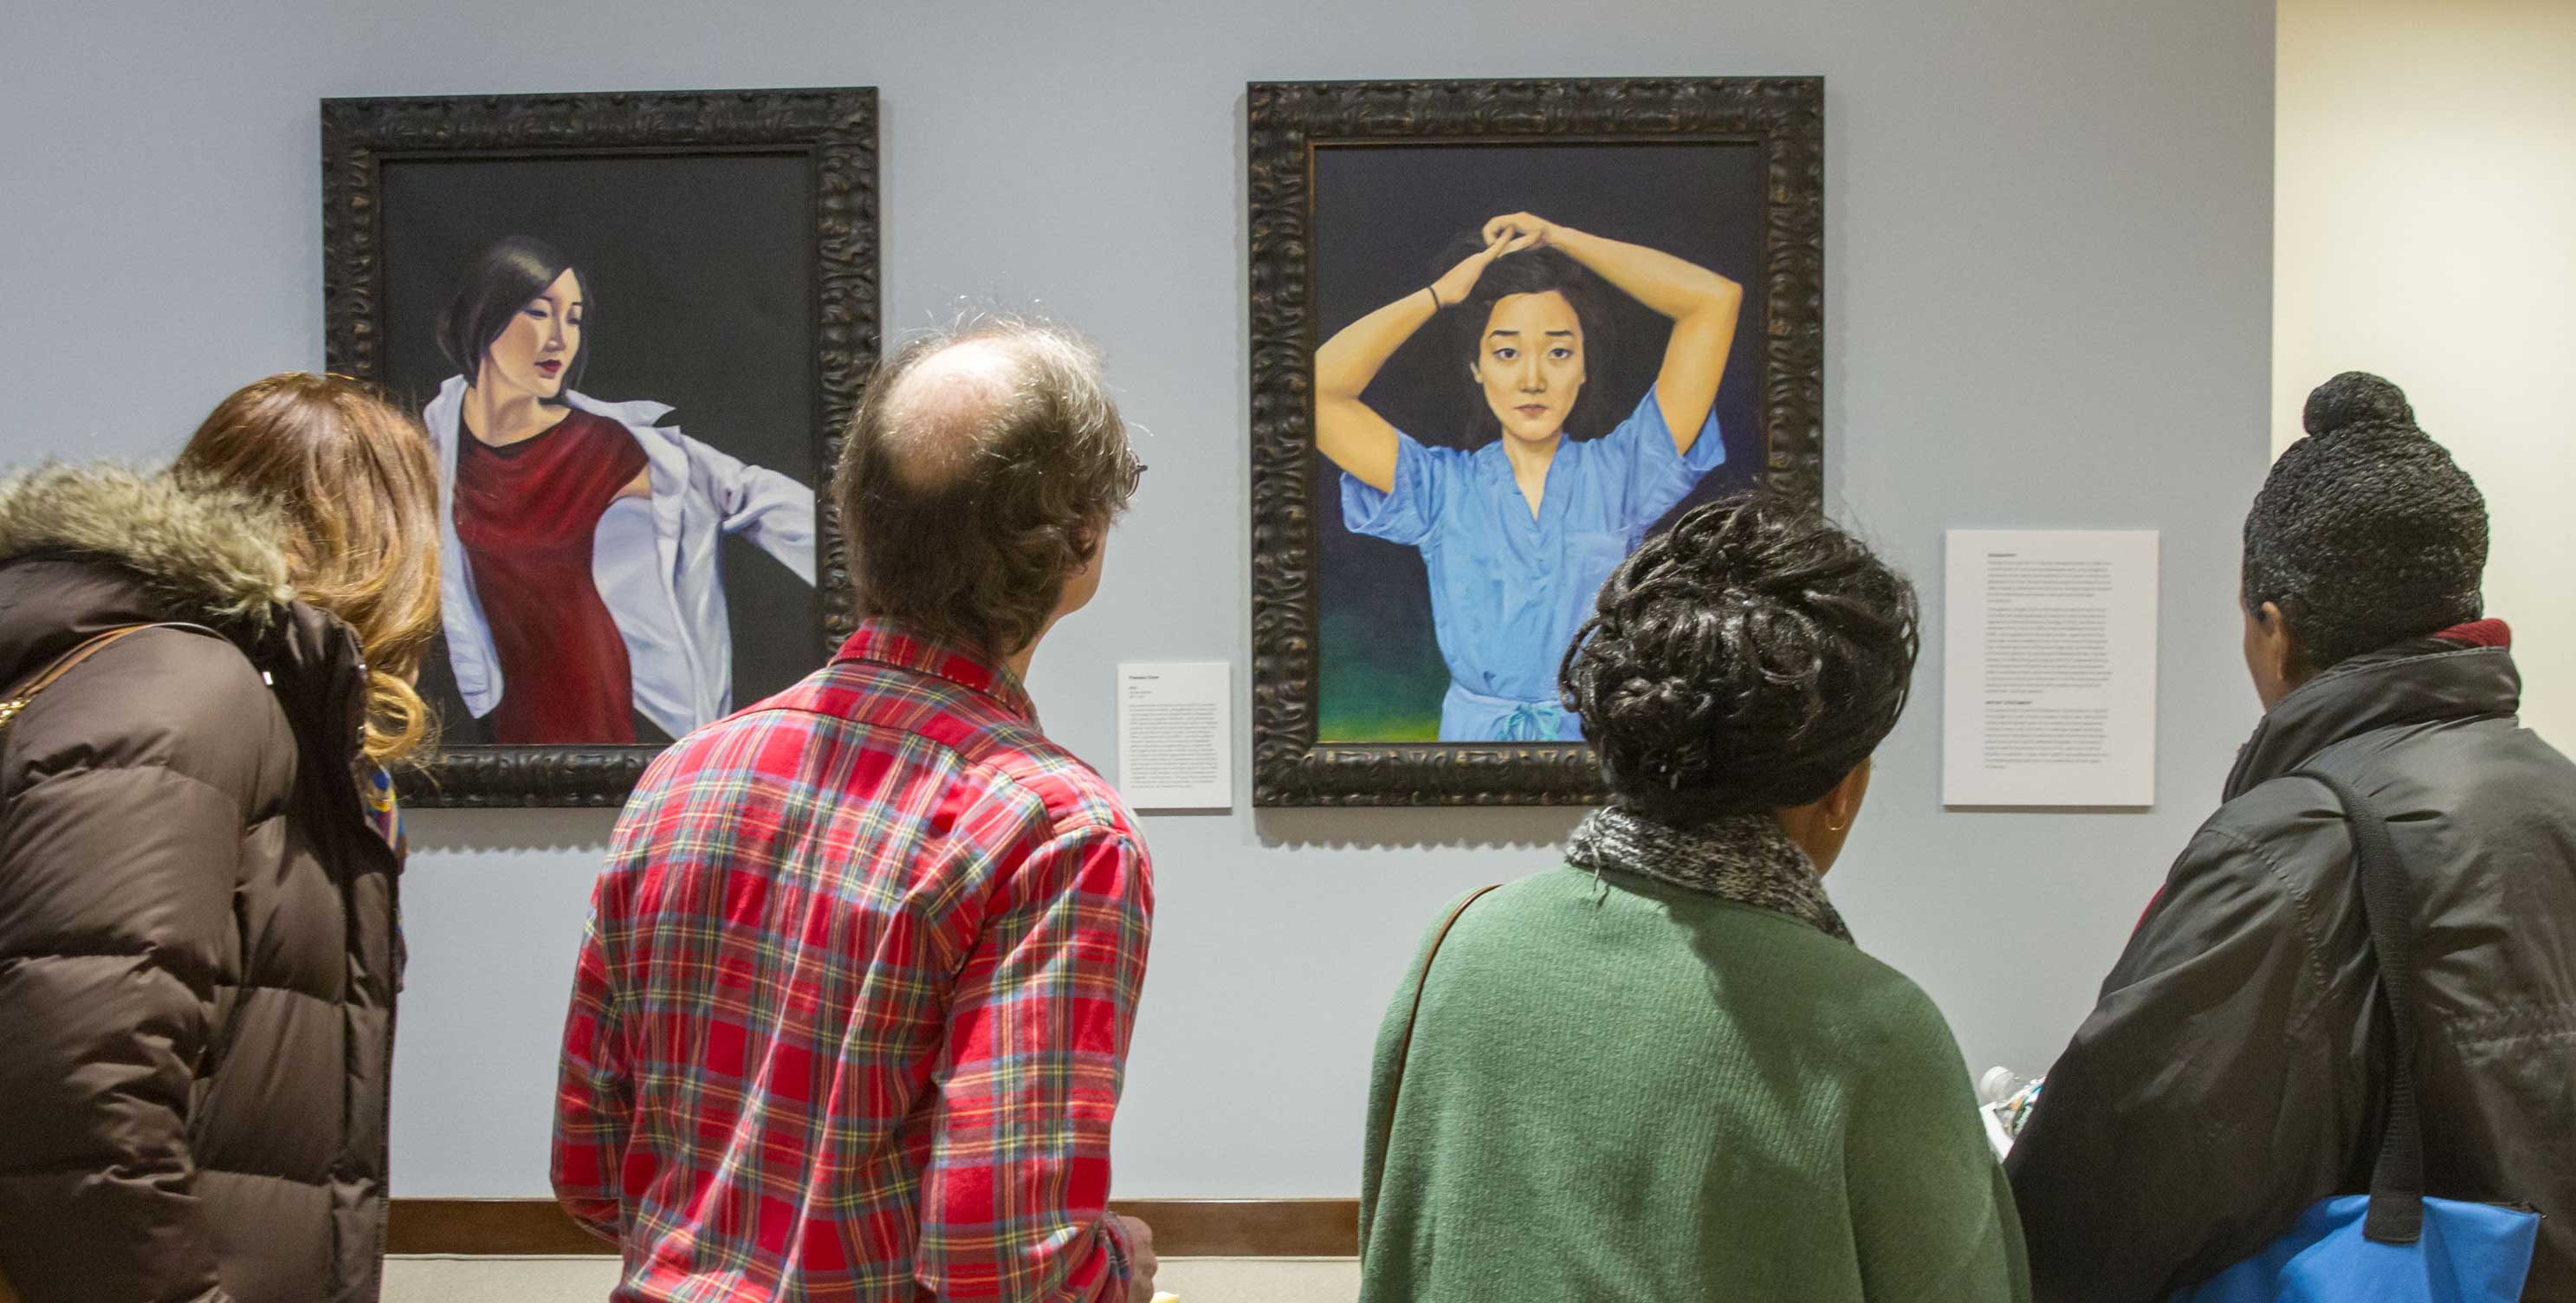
(1404, 1048)
(2397, 1178)
(64, 664)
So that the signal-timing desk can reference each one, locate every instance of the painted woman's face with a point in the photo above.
(539, 343)
(1530, 363)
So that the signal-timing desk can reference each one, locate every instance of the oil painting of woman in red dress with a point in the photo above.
(582, 564)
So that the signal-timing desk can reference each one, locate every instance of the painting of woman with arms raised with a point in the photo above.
(1517, 533)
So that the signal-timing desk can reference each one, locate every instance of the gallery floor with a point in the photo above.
(429, 1279)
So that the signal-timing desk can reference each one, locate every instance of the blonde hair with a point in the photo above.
(354, 480)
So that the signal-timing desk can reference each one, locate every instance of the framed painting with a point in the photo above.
(632, 326)
(1501, 332)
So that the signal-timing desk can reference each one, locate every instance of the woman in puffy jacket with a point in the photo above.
(199, 945)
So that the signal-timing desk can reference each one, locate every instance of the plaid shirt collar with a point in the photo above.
(884, 642)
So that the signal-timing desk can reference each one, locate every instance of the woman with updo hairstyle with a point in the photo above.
(205, 677)
(1664, 1070)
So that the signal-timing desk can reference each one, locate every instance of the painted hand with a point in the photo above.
(1526, 230)
(1458, 282)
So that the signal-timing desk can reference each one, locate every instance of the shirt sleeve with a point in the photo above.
(1014, 1203)
(1412, 511)
(593, 1102)
(1652, 475)
(2202, 1106)
(769, 509)
(1932, 1215)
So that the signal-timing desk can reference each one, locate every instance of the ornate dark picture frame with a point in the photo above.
(833, 134)
(1287, 124)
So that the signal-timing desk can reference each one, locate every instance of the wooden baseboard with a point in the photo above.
(1183, 1228)
(479, 1227)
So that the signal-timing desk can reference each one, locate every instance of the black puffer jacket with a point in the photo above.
(198, 941)
(2233, 1073)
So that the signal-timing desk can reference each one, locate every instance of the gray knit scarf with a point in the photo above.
(1745, 858)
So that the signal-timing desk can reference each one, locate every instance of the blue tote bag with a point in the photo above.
(2393, 1244)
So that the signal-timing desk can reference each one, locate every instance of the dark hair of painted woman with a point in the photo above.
(497, 287)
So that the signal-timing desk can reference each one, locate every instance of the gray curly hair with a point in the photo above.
(981, 468)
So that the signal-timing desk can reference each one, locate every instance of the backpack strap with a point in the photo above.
(1404, 1048)
(64, 664)
(2397, 1177)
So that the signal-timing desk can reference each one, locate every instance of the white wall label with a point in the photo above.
(1176, 735)
(2049, 668)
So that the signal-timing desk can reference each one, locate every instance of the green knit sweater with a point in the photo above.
(1620, 1089)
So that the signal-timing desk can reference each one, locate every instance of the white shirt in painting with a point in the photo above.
(655, 559)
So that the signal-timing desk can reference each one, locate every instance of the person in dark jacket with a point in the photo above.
(2234, 1071)
(199, 946)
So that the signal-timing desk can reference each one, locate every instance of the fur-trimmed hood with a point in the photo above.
(200, 927)
(211, 554)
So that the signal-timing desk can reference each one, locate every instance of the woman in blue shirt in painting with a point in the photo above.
(1519, 533)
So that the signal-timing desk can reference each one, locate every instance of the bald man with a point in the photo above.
(852, 1012)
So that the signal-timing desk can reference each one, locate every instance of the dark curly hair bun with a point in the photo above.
(2366, 533)
(1746, 659)
(2356, 400)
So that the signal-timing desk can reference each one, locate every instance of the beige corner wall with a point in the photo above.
(2425, 228)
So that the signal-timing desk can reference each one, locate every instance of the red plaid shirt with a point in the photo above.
(853, 1005)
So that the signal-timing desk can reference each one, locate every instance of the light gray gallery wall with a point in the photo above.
(2048, 279)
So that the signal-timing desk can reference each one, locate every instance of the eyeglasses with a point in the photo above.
(1135, 476)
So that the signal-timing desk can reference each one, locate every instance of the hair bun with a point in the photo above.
(2356, 399)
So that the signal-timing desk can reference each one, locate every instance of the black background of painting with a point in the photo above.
(701, 272)
(1383, 216)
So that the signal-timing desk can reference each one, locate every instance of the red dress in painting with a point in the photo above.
(526, 514)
